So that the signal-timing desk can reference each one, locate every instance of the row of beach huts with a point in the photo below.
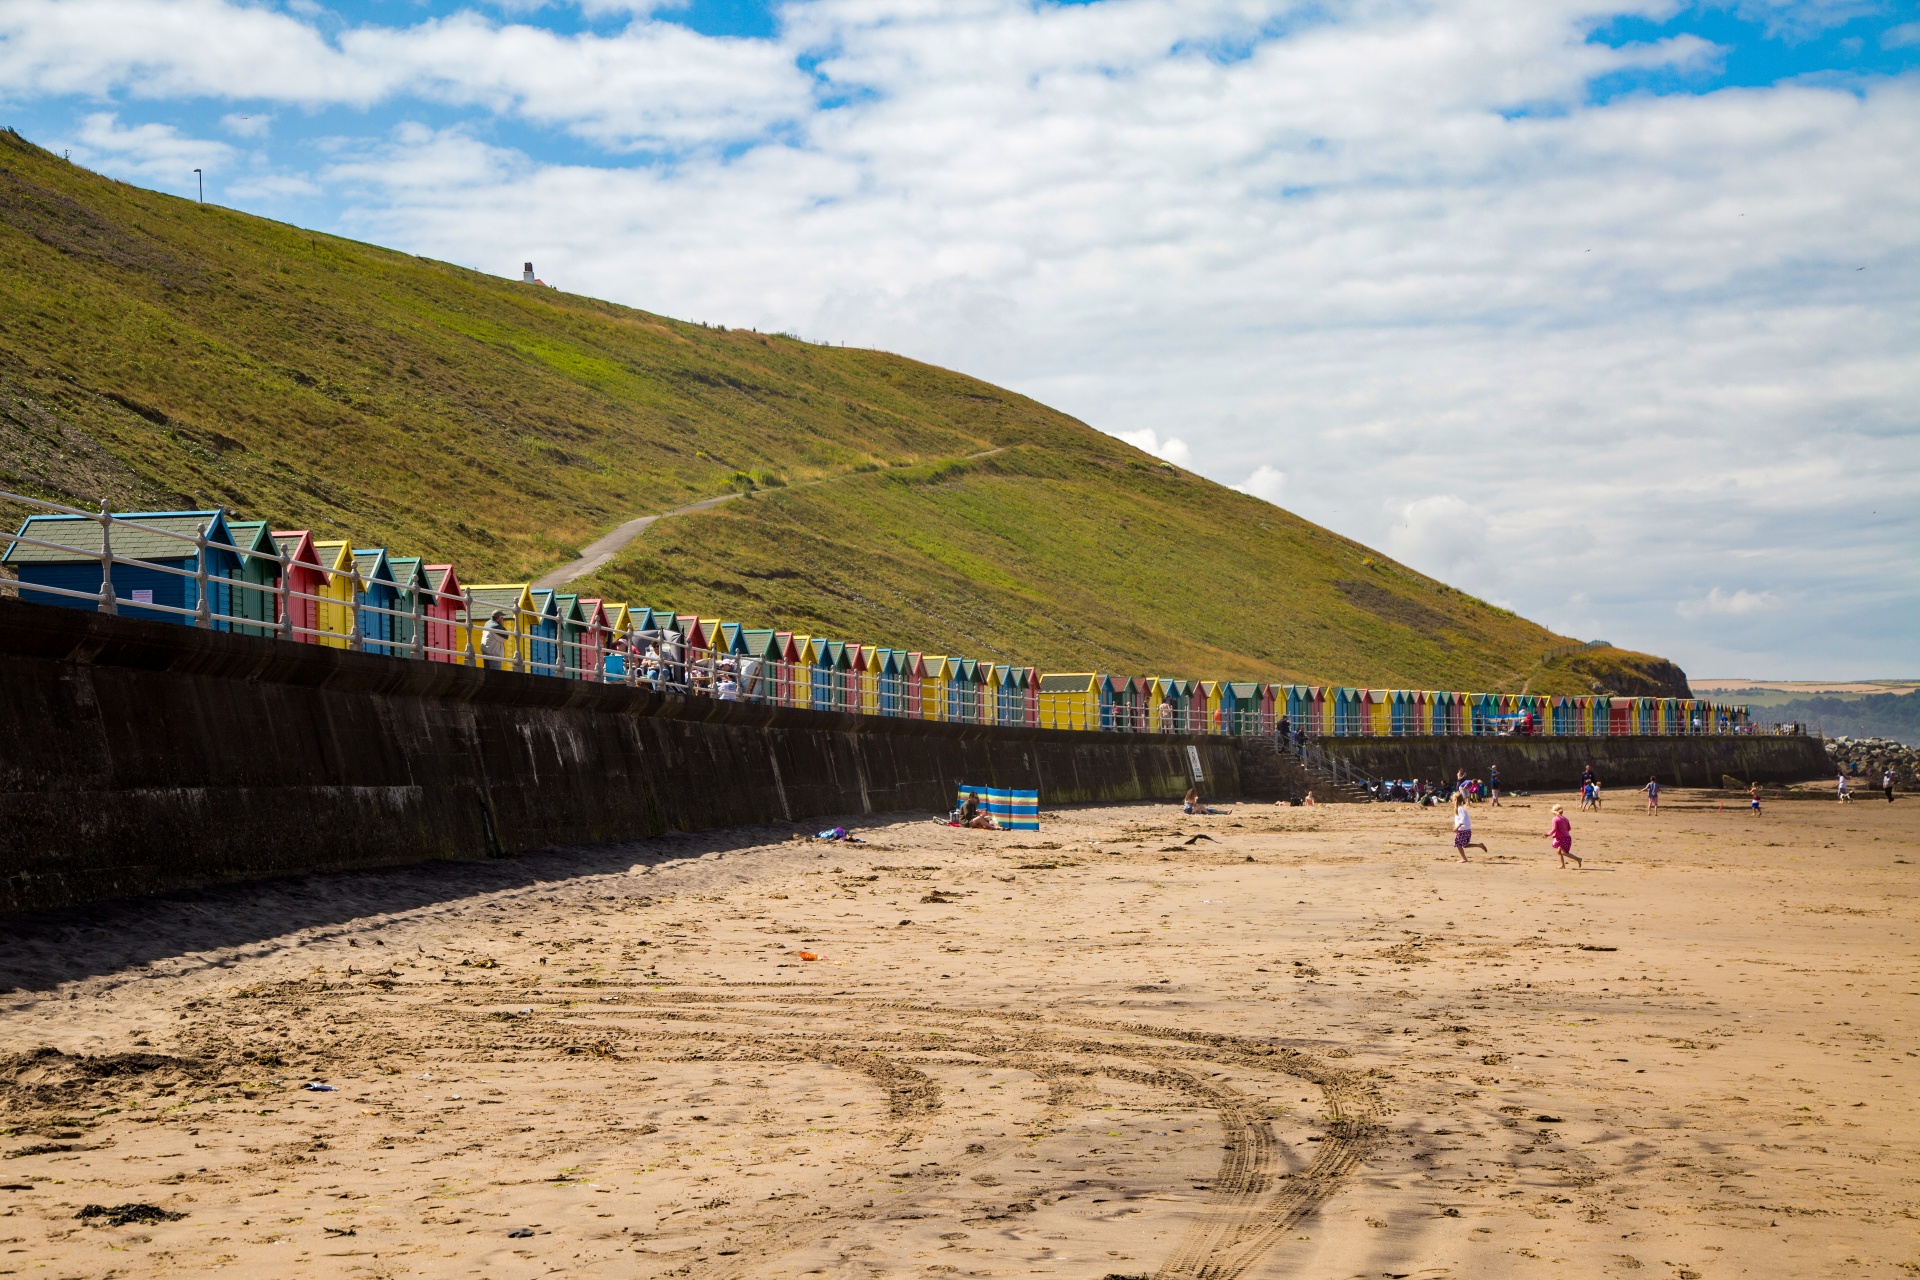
(204, 568)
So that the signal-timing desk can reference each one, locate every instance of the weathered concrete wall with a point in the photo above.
(137, 757)
(1532, 763)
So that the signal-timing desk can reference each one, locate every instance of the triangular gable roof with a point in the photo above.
(252, 535)
(758, 642)
(566, 607)
(593, 613)
(335, 554)
(297, 546)
(444, 582)
(934, 666)
(373, 564)
(408, 573)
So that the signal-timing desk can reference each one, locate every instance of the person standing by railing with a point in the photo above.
(493, 642)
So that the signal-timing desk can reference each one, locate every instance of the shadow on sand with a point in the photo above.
(221, 925)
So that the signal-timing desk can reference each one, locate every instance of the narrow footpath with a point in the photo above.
(611, 544)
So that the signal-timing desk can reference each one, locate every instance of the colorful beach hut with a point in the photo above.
(377, 599)
(167, 575)
(514, 600)
(1071, 700)
(410, 602)
(254, 595)
(301, 583)
(441, 603)
(333, 613)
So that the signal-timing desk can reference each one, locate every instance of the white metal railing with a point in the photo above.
(459, 628)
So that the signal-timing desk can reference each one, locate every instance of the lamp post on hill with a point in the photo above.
(202, 178)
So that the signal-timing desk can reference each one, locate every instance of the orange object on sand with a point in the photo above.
(808, 955)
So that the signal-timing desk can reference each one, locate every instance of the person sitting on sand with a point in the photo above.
(1463, 830)
(1561, 834)
(1192, 803)
(1309, 801)
(972, 815)
(1653, 795)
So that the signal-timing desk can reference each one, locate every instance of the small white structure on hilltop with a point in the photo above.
(527, 274)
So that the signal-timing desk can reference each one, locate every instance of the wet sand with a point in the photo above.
(1281, 1042)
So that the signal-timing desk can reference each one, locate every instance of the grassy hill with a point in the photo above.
(160, 353)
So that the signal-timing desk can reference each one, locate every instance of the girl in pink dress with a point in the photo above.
(1561, 834)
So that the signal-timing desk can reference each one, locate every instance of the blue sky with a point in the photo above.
(1607, 313)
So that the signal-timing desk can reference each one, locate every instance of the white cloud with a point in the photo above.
(153, 151)
(1727, 604)
(649, 84)
(1442, 535)
(1170, 449)
(1266, 482)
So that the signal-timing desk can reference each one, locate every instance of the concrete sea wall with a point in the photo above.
(138, 757)
(1619, 763)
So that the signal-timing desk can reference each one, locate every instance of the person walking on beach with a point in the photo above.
(1493, 786)
(1653, 795)
(1753, 799)
(1561, 834)
(1845, 795)
(1463, 829)
(1886, 784)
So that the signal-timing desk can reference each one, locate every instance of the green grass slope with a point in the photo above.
(160, 353)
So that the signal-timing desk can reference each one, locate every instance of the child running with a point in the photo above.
(1561, 834)
(1463, 829)
(1653, 795)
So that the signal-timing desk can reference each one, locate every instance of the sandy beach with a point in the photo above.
(1276, 1042)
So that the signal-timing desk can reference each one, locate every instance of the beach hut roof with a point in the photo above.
(373, 564)
(503, 595)
(1070, 682)
(247, 535)
(145, 539)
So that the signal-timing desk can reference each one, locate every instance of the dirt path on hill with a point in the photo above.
(608, 545)
(1315, 1044)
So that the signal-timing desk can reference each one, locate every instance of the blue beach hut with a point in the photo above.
(164, 577)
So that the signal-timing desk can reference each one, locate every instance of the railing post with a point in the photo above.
(109, 602)
(286, 596)
(355, 641)
(202, 612)
(419, 623)
(466, 627)
(521, 652)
